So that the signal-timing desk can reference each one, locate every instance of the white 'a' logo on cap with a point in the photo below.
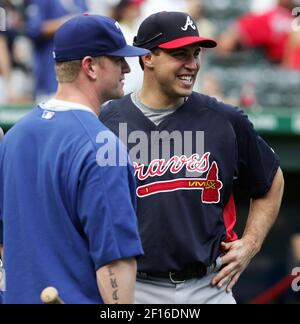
(189, 22)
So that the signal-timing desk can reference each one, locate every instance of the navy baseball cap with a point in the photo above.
(91, 35)
(170, 30)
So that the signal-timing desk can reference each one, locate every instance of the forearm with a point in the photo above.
(116, 281)
(1, 251)
(228, 41)
(263, 213)
(292, 44)
(5, 65)
(51, 26)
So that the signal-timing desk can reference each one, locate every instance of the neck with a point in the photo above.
(74, 93)
(127, 22)
(154, 97)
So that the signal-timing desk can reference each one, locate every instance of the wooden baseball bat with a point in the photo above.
(50, 296)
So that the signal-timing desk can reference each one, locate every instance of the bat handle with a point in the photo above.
(50, 296)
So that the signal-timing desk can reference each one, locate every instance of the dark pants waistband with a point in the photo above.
(197, 270)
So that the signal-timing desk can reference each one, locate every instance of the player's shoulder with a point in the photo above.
(91, 130)
(92, 138)
(226, 111)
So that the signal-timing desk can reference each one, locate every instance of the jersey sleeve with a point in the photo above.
(106, 208)
(257, 163)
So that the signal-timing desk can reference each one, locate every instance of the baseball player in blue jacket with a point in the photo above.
(188, 151)
(66, 218)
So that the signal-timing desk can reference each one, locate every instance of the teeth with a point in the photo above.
(186, 78)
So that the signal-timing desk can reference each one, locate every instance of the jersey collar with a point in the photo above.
(61, 105)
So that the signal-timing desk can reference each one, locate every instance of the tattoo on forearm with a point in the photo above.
(115, 296)
(113, 282)
(114, 285)
(110, 272)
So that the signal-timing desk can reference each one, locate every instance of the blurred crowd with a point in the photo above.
(26, 62)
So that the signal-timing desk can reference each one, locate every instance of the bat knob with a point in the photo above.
(50, 295)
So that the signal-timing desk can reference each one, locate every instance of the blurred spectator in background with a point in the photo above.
(291, 59)
(195, 9)
(22, 79)
(101, 7)
(44, 17)
(5, 70)
(128, 13)
(259, 6)
(212, 87)
(152, 6)
(16, 56)
(269, 30)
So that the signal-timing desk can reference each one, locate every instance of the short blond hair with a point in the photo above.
(67, 71)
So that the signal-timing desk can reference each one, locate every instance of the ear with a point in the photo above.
(148, 61)
(88, 66)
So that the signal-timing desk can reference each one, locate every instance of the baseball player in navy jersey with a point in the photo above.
(186, 210)
(66, 219)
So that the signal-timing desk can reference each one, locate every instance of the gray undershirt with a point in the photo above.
(154, 114)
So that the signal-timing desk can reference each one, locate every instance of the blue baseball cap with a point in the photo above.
(91, 35)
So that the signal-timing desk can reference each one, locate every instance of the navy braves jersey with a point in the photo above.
(62, 215)
(185, 203)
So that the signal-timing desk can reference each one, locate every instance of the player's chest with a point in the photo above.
(190, 142)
